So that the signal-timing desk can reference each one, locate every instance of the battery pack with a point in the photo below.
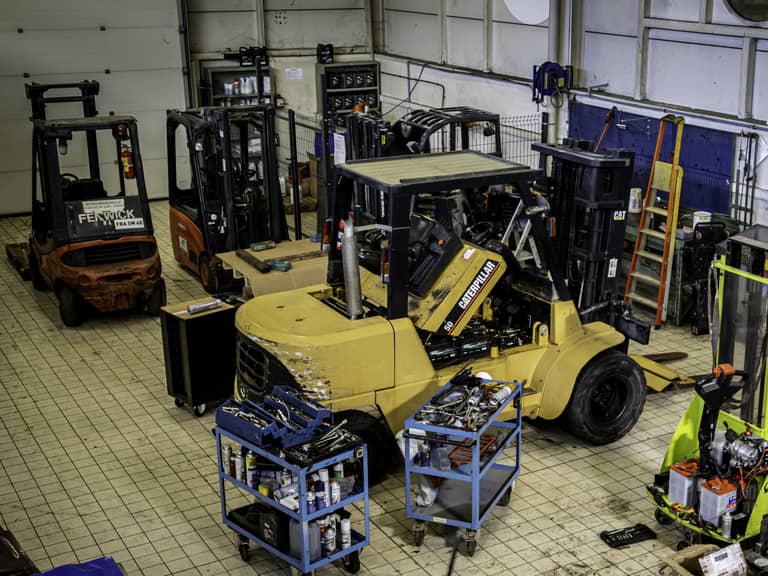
(717, 496)
(682, 482)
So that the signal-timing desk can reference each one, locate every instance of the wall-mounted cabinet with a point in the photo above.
(237, 85)
(342, 86)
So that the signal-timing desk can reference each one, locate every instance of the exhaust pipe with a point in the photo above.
(349, 258)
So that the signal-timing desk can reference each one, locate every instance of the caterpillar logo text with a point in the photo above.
(480, 280)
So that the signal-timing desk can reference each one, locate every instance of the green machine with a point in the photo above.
(713, 481)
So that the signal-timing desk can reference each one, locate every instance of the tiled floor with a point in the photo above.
(96, 460)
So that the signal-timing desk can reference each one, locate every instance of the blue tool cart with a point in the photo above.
(460, 440)
(285, 452)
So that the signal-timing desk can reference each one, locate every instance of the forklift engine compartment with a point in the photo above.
(429, 308)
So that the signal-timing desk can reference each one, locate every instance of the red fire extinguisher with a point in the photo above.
(126, 156)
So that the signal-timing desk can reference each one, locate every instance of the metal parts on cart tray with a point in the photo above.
(467, 402)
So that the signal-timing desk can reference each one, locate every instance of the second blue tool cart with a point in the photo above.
(461, 440)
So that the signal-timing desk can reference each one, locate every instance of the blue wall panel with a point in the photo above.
(706, 155)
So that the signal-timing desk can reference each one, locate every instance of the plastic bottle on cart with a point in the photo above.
(320, 501)
(501, 395)
(335, 491)
(346, 533)
(329, 540)
(232, 463)
(424, 459)
(338, 470)
(311, 502)
(240, 467)
(250, 470)
(226, 457)
(323, 472)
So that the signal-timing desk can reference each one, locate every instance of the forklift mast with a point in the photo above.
(89, 89)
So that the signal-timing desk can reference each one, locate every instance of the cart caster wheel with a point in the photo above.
(694, 330)
(662, 518)
(198, 410)
(471, 547)
(245, 551)
(179, 403)
(418, 533)
(352, 562)
(506, 497)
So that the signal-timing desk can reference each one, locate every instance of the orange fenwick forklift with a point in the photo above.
(94, 248)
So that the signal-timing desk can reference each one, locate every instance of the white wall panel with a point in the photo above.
(219, 31)
(62, 43)
(610, 59)
(87, 14)
(694, 75)
(220, 5)
(313, 4)
(502, 14)
(308, 28)
(423, 6)
(49, 52)
(412, 35)
(465, 8)
(517, 47)
(612, 17)
(760, 93)
(687, 10)
(465, 42)
(721, 14)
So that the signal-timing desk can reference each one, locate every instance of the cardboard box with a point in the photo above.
(686, 562)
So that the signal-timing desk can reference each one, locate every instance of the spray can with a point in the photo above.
(250, 469)
(239, 467)
(323, 472)
(424, 459)
(226, 456)
(501, 395)
(232, 463)
(285, 478)
(320, 501)
(311, 502)
(346, 533)
(338, 470)
(335, 492)
(726, 524)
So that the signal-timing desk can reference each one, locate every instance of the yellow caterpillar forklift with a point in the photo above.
(713, 482)
(92, 240)
(383, 335)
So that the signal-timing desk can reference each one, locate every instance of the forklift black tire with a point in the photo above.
(157, 298)
(38, 282)
(351, 562)
(70, 307)
(382, 448)
(209, 275)
(662, 518)
(607, 399)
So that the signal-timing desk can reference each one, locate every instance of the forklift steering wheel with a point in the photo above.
(237, 169)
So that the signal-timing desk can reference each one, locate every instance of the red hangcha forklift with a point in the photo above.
(232, 198)
(92, 240)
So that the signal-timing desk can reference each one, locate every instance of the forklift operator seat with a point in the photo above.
(86, 189)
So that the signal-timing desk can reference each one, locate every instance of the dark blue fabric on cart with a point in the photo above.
(105, 566)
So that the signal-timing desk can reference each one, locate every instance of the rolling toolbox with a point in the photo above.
(472, 481)
(288, 525)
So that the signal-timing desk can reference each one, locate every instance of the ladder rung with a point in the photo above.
(656, 210)
(654, 233)
(650, 255)
(636, 298)
(645, 278)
